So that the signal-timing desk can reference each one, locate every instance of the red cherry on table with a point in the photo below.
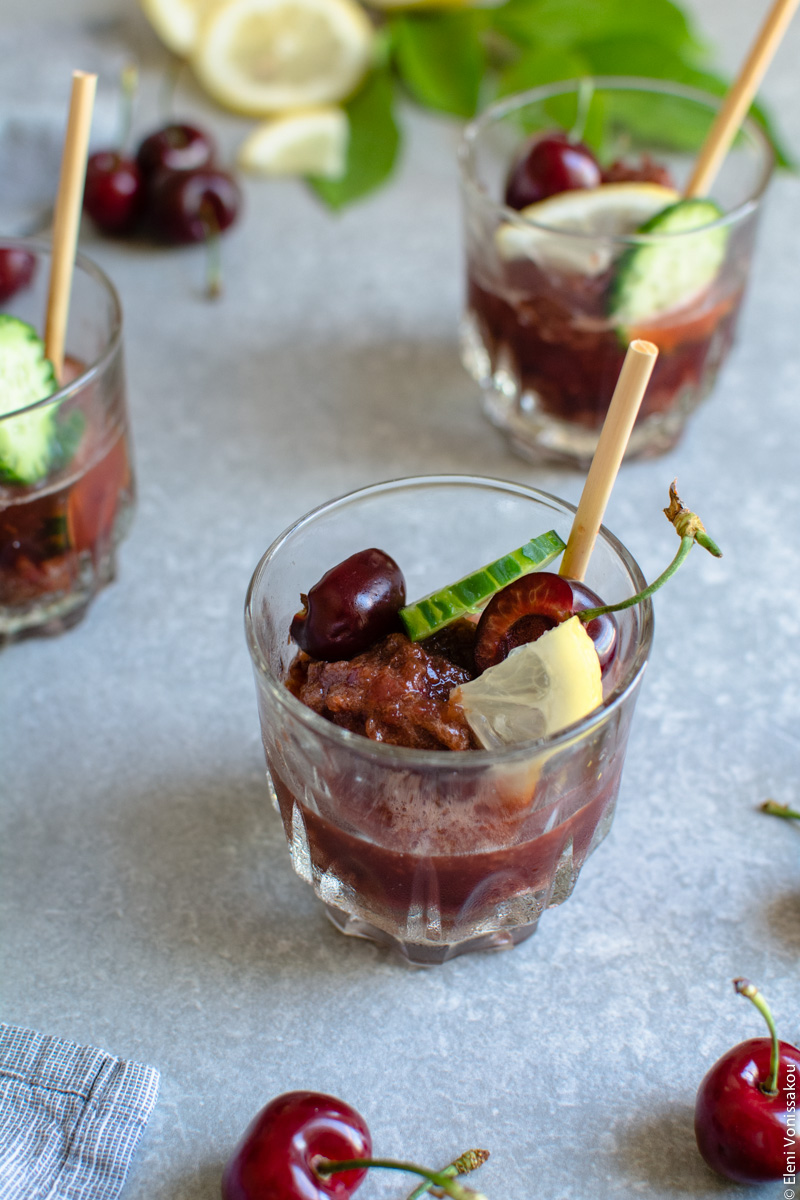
(192, 206)
(16, 270)
(549, 165)
(275, 1159)
(351, 607)
(175, 147)
(529, 606)
(114, 192)
(745, 1104)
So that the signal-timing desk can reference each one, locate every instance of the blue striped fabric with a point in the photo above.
(70, 1117)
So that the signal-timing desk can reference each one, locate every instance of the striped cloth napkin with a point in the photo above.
(70, 1117)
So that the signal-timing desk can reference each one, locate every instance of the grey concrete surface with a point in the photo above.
(148, 902)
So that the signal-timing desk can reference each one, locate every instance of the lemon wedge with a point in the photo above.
(539, 689)
(261, 57)
(300, 143)
(585, 216)
(176, 21)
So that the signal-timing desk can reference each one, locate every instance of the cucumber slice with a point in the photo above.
(470, 594)
(27, 441)
(654, 279)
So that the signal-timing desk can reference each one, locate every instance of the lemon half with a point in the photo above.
(261, 57)
(539, 689)
(611, 210)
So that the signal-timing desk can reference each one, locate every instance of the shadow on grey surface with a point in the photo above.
(781, 919)
(209, 880)
(660, 1153)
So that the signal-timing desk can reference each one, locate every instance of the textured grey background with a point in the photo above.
(149, 905)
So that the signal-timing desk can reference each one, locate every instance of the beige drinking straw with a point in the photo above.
(631, 385)
(739, 98)
(67, 215)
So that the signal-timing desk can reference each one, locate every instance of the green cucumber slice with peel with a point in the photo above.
(653, 279)
(28, 441)
(470, 594)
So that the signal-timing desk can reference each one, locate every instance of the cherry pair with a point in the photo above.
(172, 185)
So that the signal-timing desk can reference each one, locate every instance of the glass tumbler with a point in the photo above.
(436, 853)
(59, 530)
(543, 333)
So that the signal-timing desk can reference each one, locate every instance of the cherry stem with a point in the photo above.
(438, 1179)
(690, 529)
(589, 614)
(780, 810)
(470, 1160)
(169, 85)
(745, 988)
(213, 251)
(584, 103)
(129, 83)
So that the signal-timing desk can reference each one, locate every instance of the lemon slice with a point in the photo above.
(177, 21)
(611, 210)
(539, 689)
(261, 57)
(299, 143)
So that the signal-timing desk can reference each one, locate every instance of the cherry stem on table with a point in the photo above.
(213, 251)
(745, 988)
(129, 83)
(470, 1160)
(438, 1179)
(780, 810)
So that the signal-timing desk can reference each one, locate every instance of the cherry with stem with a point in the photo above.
(743, 1107)
(114, 190)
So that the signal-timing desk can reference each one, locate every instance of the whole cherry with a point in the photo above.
(17, 267)
(745, 1102)
(114, 192)
(277, 1155)
(311, 1146)
(351, 607)
(193, 206)
(549, 165)
(176, 146)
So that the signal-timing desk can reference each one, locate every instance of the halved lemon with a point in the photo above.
(611, 210)
(299, 143)
(261, 57)
(539, 689)
(177, 21)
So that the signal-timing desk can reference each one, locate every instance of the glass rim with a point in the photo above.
(43, 250)
(508, 104)
(405, 757)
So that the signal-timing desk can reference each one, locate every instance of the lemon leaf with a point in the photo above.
(373, 147)
(440, 58)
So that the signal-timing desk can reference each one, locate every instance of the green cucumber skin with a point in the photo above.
(28, 441)
(651, 280)
(468, 595)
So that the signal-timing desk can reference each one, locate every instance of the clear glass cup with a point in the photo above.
(537, 333)
(436, 853)
(59, 534)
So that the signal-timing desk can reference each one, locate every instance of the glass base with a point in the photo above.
(429, 954)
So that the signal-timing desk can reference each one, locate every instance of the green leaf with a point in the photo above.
(667, 121)
(567, 22)
(440, 58)
(373, 147)
(542, 65)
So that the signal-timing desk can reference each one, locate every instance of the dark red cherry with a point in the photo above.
(549, 165)
(275, 1158)
(175, 147)
(16, 270)
(192, 206)
(114, 192)
(525, 609)
(741, 1130)
(352, 607)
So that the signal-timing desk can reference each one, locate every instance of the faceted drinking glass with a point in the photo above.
(59, 534)
(539, 332)
(436, 853)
